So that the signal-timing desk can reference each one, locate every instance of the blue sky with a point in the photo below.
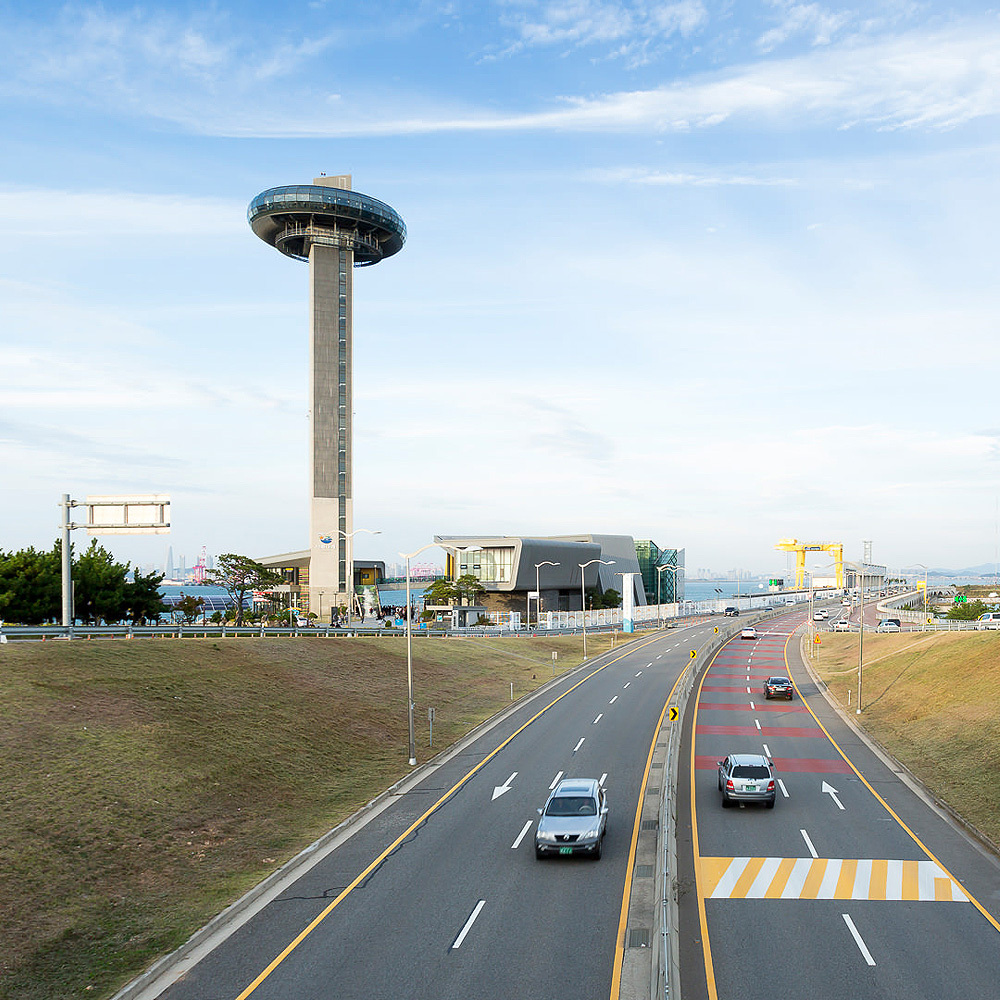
(708, 273)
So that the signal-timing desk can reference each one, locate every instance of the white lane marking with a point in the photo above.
(660, 657)
(555, 780)
(468, 924)
(756, 722)
(648, 665)
(520, 836)
(781, 785)
(862, 947)
(832, 792)
(766, 751)
(639, 674)
(800, 872)
(761, 883)
(604, 777)
(809, 843)
(598, 719)
(613, 700)
(748, 690)
(753, 706)
(499, 790)
(580, 744)
(626, 684)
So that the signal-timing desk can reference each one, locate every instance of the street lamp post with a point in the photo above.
(659, 570)
(409, 649)
(349, 535)
(923, 624)
(538, 594)
(583, 595)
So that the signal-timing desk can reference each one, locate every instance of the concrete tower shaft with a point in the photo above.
(335, 229)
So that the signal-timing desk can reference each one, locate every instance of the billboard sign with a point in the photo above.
(128, 514)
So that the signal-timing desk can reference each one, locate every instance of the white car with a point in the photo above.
(749, 633)
(842, 625)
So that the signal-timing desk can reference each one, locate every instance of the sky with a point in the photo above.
(710, 273)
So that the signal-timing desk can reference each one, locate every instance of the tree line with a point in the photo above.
(104, 590)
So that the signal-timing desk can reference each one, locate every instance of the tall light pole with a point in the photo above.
(349, 535)
(583, 595)
(409, 649)
(923, 624)
(659, 570)
(538, 593)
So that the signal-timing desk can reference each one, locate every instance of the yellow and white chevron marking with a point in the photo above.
(827, 878)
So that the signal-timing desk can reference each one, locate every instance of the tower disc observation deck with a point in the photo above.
(335, 229)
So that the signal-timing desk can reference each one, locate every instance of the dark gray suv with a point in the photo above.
(573, 820)
(746, 777)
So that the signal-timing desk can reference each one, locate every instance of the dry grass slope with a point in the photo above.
(149, 783)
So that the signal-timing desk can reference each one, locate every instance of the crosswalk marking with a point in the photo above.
(828, 878)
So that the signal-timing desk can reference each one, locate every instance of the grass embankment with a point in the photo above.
(148, 783)
(933, 700)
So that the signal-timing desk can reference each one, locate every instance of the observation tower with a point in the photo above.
(335, 229)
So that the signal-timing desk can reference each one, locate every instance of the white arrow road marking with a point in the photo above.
(781, 785)
(524, 830)
(832, 792)
(809, 843)
(555, 780)
(499, 790)
(857, 939)
(598, 719)
(468, 924)
(580, 744)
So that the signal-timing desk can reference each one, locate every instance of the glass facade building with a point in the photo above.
(671, 583)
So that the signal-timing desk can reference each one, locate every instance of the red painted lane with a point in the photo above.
(729, 706)
(813, 732)
(723, 687)
(811, 765)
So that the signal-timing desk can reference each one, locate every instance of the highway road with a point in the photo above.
(852, 886)
(440, 894)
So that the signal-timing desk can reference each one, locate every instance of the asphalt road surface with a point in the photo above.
(852, 886)
(440, 895)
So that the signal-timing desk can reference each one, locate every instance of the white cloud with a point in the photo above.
(797, 19)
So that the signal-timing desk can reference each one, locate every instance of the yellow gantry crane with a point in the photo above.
(836, 549)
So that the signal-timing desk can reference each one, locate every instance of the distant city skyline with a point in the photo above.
(706, 273)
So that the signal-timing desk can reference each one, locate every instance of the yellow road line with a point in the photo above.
(399, 840)
(616, 972)
(885, 805)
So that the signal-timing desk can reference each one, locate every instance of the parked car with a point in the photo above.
(731, 612)
(778, 687)
(573, 820)
(746, 777)
(749, 633)
(889, 625)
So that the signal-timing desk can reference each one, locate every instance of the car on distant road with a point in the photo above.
(789, 603)
(846, 602)
(573, 820)
(731, 612)
(778, 687)
(749, 633)
(746, 777)
(889, 625)
(842, 625)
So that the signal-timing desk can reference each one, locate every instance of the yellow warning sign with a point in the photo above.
(694, 653)
(817, 640)
(674, 713)
(716, 630)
